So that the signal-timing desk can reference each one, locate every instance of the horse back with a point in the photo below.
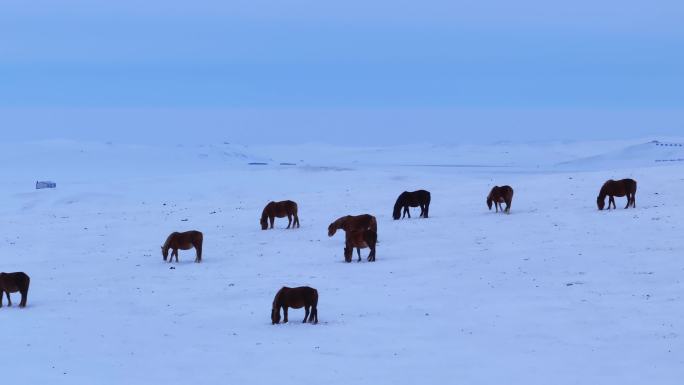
(14, 282)
(296, 297)
(282, 208)
(185, 239)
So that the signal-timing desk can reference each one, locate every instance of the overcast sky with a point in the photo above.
(385, 71)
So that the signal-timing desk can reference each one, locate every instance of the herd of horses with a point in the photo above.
(361, 232)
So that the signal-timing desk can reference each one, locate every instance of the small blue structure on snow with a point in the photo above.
(45, 184)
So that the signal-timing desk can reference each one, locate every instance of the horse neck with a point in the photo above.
(167, 244)
(604, 191)
(264, 214)
(339, 223)
(277, 299)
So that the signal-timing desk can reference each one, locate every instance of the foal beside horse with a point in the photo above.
(499, 195)
(12, 283)
(617, 188)
(279, 209)
(183, 241)
(353, 223)
(295, 298)
(412, 199)
(361, 240)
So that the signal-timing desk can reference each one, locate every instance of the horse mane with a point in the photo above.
(264, 214)
(168, 241)
(603, 192)
(338, 223)
(398, 204)
(277, 296)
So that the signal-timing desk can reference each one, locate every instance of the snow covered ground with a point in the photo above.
(555, 293)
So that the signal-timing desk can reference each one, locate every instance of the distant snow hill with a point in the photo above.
(653, 153)
(60, 159)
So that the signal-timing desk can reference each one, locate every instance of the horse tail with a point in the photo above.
(428, 198)
(315, 297)
(295, 211)
(370, 237)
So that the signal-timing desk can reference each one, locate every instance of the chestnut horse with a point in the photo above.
(360, 239)
(279, 209)
(183, 241)
(617, 188)
(351, 223)
(12, 283)
(295, 298)
(412, 199)
(499, 195)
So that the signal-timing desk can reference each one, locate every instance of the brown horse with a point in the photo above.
(361, 240)
(12, 283)
(354, 223)
(183, 241)
(617, 188)
(295, 298)
(279, 209)
(499, 195)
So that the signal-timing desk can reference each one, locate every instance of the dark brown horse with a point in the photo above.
(499, 195)
(420, 198)
(279, 209)
(617, 188)
(12, 283)
(295, 298)
(353, 223)
(361, 240)
(183, 241)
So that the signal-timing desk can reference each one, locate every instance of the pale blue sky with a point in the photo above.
(461, 70)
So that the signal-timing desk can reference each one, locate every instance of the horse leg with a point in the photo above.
(508, 207)
(272, 220)
(358, 252)
(285, 314)
(175, 252)
(314, 314)
(408, 212)
(1, 293)
(634, 200)
(612, 200)
(9, 300)
(296, 220)
(629, 201)
(306, 314)
(289, 220)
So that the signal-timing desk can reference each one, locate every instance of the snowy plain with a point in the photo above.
(557, 292)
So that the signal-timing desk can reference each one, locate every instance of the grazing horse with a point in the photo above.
(295, 298)
(352, 223)
(412, 199)
(12, 283)
(279, 209)
(183, 241)
(617, 188)
(499, 195)
(360, 239)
